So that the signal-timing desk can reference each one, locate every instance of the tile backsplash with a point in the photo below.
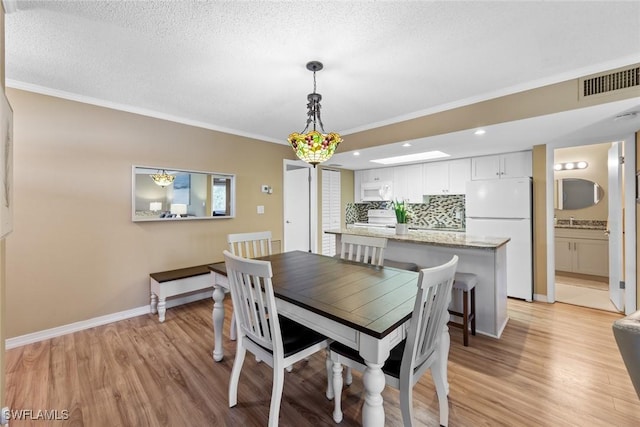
(436, 211)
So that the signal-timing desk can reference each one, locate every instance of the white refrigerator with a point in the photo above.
(502, 208)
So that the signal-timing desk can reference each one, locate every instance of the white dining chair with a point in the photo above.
(366, 249)
(410, 359)
(276, 340)
(248, 245)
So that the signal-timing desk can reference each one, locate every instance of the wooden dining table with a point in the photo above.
(365, 307)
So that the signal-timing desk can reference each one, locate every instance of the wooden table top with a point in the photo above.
(372, 300)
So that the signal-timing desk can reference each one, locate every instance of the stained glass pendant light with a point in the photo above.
(314, 147)
(162, 179)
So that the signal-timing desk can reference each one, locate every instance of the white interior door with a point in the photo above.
(297, 223)
(615, 225)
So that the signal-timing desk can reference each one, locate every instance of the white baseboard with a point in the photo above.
(540, 297)
(98, 321)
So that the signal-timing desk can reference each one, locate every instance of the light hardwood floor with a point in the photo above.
(556, 365)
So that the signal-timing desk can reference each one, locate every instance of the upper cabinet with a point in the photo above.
(411, 182)
(375, 175)
(407, 183)
(448, 177)
(368, 176)
(509, 165)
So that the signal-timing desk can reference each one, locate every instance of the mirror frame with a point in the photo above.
(210, 175)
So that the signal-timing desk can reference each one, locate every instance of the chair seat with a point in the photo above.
(295, 337)
(391, 366)
(465, 281)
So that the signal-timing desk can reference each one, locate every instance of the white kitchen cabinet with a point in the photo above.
(407, 183)
(375, 175)
(366, 176)
(582, 251)
(448, 177)
(508, 165)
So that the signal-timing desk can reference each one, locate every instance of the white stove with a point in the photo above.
(379, 218)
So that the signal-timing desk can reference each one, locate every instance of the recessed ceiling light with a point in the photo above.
(356, 153)
(427, 155)
(480, 132)
(406, 144)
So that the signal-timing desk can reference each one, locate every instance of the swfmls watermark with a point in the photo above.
(33, 415)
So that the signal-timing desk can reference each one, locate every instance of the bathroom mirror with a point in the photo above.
(576, 193)
(179, 195)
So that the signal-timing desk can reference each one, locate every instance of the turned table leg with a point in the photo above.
(374, 382)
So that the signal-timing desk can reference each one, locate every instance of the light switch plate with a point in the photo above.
(260, 209)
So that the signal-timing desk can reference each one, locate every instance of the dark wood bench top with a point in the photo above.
(181, 273)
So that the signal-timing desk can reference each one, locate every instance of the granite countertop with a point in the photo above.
(581, 224)
(581, 227)
(454, 239)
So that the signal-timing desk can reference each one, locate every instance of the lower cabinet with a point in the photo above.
(582, 251)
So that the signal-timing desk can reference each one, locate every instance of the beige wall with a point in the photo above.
(637, 224)
(539, 220)
(596, 155)
(74, 253)
(549, 99)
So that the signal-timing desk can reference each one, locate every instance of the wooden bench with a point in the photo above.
(172, 283)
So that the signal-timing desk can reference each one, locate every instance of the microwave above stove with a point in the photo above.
(376, 191)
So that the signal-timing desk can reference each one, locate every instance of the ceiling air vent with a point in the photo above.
(612, 81)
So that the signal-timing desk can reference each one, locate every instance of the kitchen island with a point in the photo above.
(484, 256)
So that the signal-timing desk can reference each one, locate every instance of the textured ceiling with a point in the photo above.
(239, 66)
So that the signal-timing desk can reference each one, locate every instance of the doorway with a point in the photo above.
(581, 213)
(300, 211)
(587, 257)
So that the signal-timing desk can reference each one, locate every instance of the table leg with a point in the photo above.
(218, 320)
(373, 411)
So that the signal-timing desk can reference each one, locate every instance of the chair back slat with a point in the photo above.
(429, 316)
(365, 249)
(253, 300)
(250, 245)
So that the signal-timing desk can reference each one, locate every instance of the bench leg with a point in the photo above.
(154, 303)
(473, 311)
(218, 320)
(162, 309)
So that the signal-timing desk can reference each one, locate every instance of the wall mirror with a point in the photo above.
(576, 193)
(163, 194)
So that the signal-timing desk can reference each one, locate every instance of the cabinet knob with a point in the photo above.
(497, 173)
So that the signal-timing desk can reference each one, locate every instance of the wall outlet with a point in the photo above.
(260, 209)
